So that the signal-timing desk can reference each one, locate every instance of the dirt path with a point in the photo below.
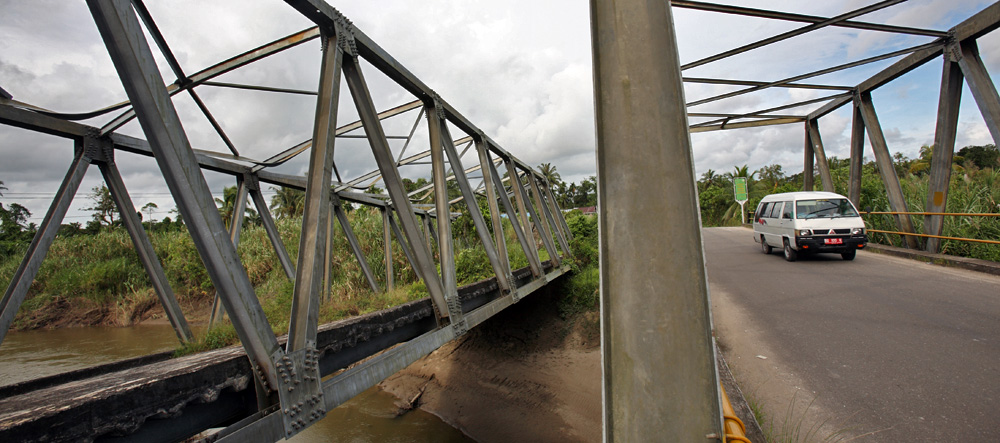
(525, 375)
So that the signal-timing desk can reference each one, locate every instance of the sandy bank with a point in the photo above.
(525, 375)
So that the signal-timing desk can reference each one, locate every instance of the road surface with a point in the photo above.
(879, 349)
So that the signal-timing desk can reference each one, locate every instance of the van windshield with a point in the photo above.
(825, 208)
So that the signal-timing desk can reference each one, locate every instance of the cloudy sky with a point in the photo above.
(520, 70)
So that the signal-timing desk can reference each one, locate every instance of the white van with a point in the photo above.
(808, 222)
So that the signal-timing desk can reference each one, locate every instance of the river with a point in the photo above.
(369, 417)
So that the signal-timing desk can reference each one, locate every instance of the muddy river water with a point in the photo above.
(369, 417)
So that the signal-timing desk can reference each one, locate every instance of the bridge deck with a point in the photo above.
(158, 398)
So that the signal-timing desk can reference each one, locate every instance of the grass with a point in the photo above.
(100, 275)
(791, 426)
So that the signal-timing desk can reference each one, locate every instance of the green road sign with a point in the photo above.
(740, 188)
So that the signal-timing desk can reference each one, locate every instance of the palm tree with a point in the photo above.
(549, 172)
(288, 202)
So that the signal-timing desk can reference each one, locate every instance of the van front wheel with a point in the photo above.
(849, 255)
(764, 247)
(790, 254)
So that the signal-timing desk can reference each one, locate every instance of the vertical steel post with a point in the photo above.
(660, 376)
(387, 245)
(39, 247)
(886, 169)
(143, 247)
(558, 211)
(944, 149)
(857, 155)
(312, 243)
(807, 162)
(521, 197)
(981, 86)
(403, 244)
(327, 287)
(477, 216)
(540, 225)
(515, 186)
(393, 182)
(499, 235)
(272, 230)
(446, 253)
(812, 126)
(527, 243)
(235, 227)
(430, 236)
(547, 222)
(145, 88)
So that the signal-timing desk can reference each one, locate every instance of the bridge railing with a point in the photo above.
(291, 394)
(942, 214)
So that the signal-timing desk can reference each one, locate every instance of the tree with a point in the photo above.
(288, 202)
(771, 176)
(228, 204)
(987, 156)
(12, 221)
(149, 207)
(104, 205)
(549, 172)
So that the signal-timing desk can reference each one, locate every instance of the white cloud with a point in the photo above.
(520, 70)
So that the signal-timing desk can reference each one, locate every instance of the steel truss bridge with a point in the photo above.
(642, 132)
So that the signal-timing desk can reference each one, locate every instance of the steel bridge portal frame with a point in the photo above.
(956, 46)
(291, 394)
(641, 122)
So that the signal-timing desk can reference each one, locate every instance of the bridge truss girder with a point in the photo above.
(961, 58)
(291, 394)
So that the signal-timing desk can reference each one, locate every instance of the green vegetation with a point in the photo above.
(91, 274)
(975, 188)
(580, 290)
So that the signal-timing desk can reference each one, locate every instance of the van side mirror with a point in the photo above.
(868, 209)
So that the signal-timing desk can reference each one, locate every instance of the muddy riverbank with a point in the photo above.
(525, 375)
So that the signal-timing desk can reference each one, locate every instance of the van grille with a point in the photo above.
(835, 231)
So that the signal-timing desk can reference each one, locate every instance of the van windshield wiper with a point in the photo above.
(813, 213)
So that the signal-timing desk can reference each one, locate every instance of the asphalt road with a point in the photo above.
(896, 350)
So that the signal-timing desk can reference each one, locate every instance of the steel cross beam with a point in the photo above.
(763, 13)
(816, 143)
(716, 81)
(539, 223)
(522, 232)
(40, 243)
(760, 113)
(394, 183)
(455, 160)
(499, 236)
(914, 49)
(549, 223)
(981, 85)
(133, 60)
(792, 33)
(885, 167)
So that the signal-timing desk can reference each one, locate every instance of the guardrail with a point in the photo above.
(943, 237)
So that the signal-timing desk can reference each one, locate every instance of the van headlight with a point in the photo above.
(805, 232)
(858, 231)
